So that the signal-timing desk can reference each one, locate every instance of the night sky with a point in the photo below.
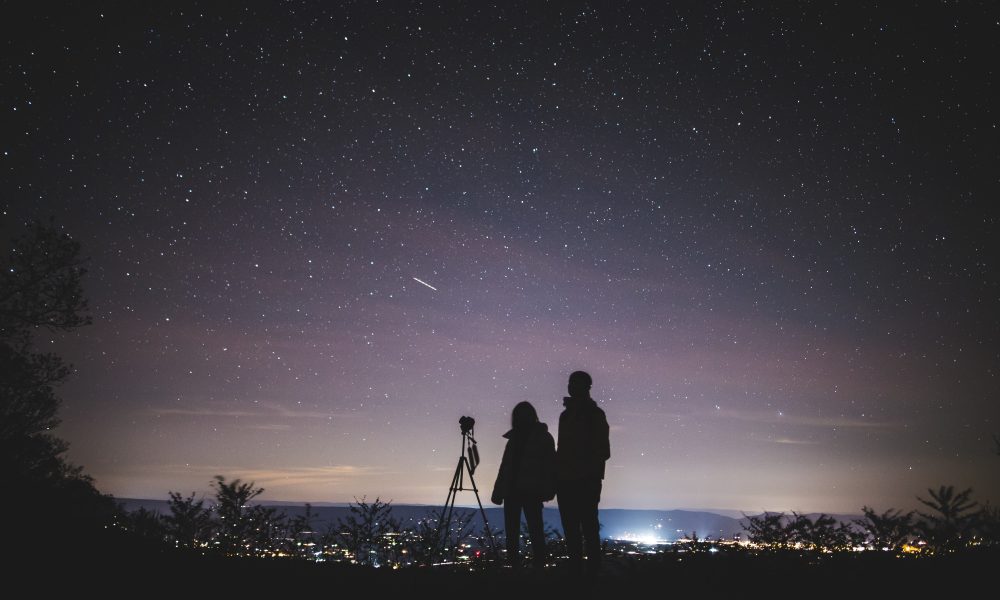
(319, 234)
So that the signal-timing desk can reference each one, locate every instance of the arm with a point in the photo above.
(500, 485)
(604, 438)
(549, 469)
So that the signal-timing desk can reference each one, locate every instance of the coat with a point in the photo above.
(584, 442)
(527, 469)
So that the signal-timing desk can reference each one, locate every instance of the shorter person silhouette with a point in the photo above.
(525, 480)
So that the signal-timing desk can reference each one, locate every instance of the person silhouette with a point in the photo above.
(584, 447)
(525, 480)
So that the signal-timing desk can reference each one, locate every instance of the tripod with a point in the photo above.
(466, 462)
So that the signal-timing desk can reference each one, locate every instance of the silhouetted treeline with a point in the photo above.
(41, 292)
(953, 523)
(229, 524)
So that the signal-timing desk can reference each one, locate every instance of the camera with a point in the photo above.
(467, 423)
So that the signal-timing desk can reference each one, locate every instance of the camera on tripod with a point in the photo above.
(467, 464)
(467, 423)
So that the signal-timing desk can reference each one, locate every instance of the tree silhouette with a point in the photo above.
(370, 533)
(145, 524)
(987, 525)
(767, 529)
(243, 529)
(424, 539)
(41, 291)
(298, 536)
(824, 533)
(948, 528)
(189, 524)
(886, 531)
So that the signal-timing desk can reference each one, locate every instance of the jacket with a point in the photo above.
(527, 469)
(584, 441)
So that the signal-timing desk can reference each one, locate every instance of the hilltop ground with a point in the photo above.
(137, 570)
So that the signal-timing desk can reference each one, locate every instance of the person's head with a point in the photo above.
(523, 415)
(579, 384)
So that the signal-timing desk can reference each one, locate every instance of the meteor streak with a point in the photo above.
(420, 281)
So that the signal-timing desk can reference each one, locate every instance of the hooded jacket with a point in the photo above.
(527, 469)
(584, 443)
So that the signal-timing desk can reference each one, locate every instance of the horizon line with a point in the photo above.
(717, 511)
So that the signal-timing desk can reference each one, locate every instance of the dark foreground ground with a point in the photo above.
(121, 570)
(705, 576)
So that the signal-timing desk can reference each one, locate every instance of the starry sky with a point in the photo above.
(320, 233)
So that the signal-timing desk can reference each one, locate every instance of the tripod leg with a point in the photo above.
(482, 511)
(449, 506)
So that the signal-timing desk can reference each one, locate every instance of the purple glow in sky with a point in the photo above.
(320, 233)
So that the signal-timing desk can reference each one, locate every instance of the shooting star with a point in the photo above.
(420, 281)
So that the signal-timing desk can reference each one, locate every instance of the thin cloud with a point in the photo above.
(276, 477)
(786, 418)
(785, 440)
(268, 410)
(267, 427)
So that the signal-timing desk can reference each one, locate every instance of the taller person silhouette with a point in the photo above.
(583, 448)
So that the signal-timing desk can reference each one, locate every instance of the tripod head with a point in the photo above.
(466, 423)
(469, 449)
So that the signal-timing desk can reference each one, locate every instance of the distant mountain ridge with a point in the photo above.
(616, 523)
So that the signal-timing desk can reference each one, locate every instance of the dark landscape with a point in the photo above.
(122, 568)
